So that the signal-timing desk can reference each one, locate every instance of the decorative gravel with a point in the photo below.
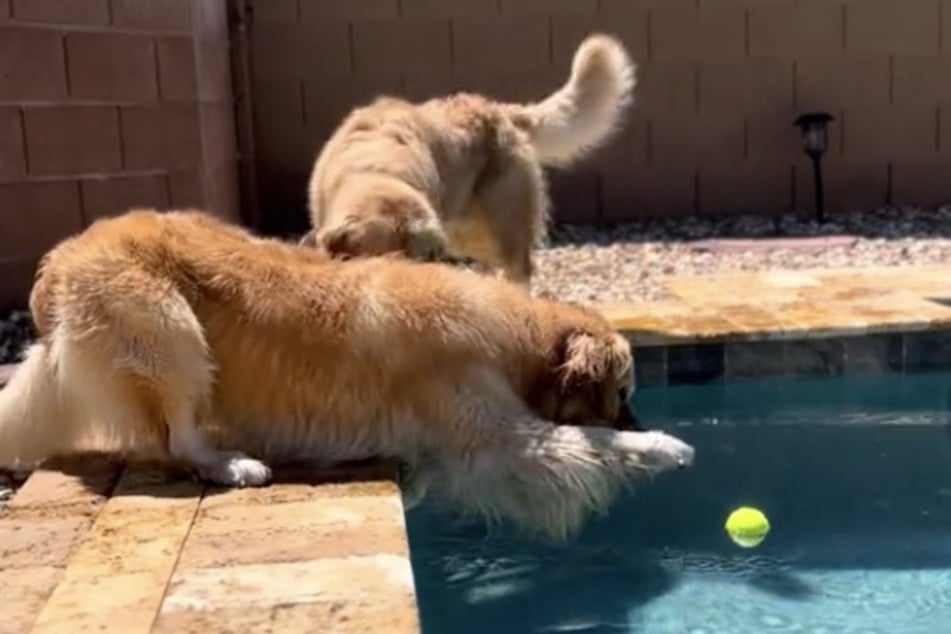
(630, 262)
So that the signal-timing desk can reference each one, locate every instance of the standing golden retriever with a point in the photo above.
(178, 336)
(460, 178)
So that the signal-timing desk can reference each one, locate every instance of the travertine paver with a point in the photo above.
(283, 559)
(39, 531)
(791, 304)
(320, 550)
(118, 573)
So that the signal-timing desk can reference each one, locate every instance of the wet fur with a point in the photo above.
(180, 337)
(460, 178)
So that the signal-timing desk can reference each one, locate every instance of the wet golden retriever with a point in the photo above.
(180, 337)
(459, 178)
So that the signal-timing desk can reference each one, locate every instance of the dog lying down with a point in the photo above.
(176, 336)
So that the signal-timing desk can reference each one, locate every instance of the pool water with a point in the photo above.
(854, 474)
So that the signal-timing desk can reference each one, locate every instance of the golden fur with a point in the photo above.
(180, 337)
(460, 179)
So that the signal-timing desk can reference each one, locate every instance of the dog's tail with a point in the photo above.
(34, 418)
(585, 111)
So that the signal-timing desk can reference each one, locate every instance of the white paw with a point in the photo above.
(238, 470)
(658, 451)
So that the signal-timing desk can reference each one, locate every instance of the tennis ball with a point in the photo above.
(747, 526)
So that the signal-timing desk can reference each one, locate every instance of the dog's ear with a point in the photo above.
(586, 359)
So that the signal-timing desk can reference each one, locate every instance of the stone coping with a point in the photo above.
(790, 305)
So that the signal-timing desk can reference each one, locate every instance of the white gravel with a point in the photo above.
(630, 262)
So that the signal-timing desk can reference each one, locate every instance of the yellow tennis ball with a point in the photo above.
(747, 526)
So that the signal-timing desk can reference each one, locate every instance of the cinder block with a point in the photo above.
(12, 156)
(213, 68)
(448, 8)
(748, 85)
(511, 44)
(325, 111)
(921, 79)
(700, 33)
(921, 181)
(53, 211)
(390, 47)
(166, 136)
(696, 140)
(113, 196)
(32, 64)
(884, 132)
(575, 195)
(65, 12)
(547, 7)
(643, 192)
(850, 185)
(176, 62)
(186, 189)
(154, 15)
(111, 66)
(830, 83)
(72, 139)
(274, 11)
(348, 9)
(794, 30)
(892, 26)
(297, 51)
(667, 88)
(218, 136)
(755, 187)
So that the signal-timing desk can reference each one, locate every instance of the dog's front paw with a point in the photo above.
(657, 451)
(427, 244)
(238, 470)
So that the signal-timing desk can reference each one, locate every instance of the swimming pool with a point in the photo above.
(854, 474)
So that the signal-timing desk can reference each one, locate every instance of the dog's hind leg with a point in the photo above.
(151, 336)
(516, 206)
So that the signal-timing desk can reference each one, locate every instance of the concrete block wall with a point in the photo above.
(720, 84)
(104, 105)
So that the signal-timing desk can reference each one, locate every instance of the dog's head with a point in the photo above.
(589, 380)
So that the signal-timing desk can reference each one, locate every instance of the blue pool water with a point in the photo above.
(855, 475)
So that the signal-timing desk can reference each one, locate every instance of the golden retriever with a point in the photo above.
(177, 336)
(459, 179)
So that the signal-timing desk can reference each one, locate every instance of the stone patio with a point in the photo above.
(91, 545)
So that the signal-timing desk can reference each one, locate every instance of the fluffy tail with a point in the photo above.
(587, 109)
(33, 423)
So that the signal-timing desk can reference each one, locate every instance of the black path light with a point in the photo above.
(815, 142)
